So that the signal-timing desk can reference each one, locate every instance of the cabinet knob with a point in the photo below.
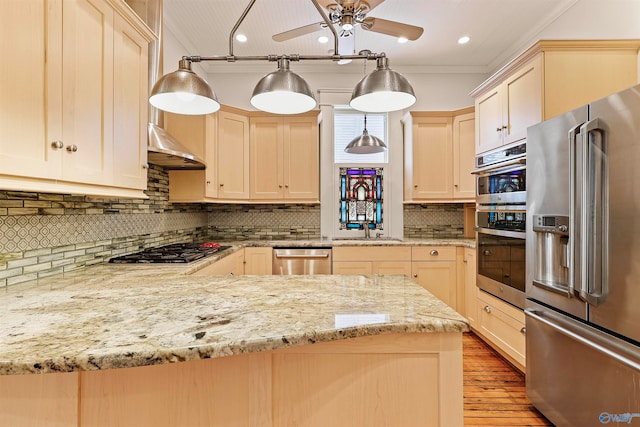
(486, 252)
(433, 252)
(72, 148)
(504, 127)
(279, 186)
(57, 145)
(208, 182)
(498, 129)
(523, 331)
(415, 185)
(487, 309)
(145, 166)
(221, 185)
(415, 275)
(286, 186)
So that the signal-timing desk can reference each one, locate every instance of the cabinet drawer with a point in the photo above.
(433, 253)
(503, 325)
(372, 253)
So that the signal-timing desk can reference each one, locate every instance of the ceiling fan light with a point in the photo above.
(184, 92)
(283, 92)
(382, 90)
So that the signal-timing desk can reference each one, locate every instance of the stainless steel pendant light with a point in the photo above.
(184, 92)
(382, 90)
(283, 92)
(365, 143)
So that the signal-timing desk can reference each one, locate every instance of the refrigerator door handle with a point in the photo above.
(587, 342)
(594, 218)
(573, 231)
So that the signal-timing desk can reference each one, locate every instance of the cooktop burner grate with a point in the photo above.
(179, 253)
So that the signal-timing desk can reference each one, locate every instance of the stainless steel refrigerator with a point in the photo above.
(583, 264)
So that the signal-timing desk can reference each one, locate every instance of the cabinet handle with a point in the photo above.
(415, 185)
(57, 145)
(415, 275)
(487, 309)
(279, 186)
(504, 127)
(286, 186)
(498, 129)
(221, 185)
(433, 252)
(523, 331)
(72, 148)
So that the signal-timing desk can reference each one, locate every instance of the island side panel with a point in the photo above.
(388, 379)
(39, 400)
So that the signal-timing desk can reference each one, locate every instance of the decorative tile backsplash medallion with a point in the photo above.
(434, 220)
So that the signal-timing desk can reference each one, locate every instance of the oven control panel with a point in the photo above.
(551, 223)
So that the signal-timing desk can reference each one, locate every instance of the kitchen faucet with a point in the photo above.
(367, 231)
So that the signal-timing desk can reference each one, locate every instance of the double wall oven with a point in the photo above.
(501, 178)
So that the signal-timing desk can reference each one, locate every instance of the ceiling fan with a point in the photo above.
(348, 14)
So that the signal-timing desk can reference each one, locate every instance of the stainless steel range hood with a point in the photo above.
(163, 149)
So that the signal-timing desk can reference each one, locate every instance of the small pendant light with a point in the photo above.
(365, 143)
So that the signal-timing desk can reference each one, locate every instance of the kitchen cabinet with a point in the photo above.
(72, 114)
(502, 326)
(230, 265)
(550, 78)
(258, 261)
(199, 134)
(435, 269)
(284, 158)
(233, 156)
(372, 260)
(470, 288)
(439, 156)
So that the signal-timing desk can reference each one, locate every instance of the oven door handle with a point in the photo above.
(519, 161)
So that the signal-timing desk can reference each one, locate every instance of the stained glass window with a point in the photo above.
(360, 198)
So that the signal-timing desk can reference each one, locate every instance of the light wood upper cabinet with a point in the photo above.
(70, 114)
(233, 155)
(550, 78)
(439, 156)
(284, 158)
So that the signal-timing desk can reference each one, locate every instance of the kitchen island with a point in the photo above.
(151, 345)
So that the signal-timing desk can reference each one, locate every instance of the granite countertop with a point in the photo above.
(469, 243)
(116, 316)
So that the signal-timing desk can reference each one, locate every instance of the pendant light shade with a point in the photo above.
(283, 92)
(365, 143)
(184, 92)
(382, 90)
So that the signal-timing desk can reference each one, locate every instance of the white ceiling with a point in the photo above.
(498, 29)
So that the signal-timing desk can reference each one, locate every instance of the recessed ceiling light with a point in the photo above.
(323, 39)
(241, 38)
(402, 40)
(463, 40)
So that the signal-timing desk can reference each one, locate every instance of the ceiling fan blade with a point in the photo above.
(372, 3)
(392, 28)
(297, 32)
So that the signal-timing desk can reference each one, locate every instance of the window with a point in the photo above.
(361, 198)
(349, 124)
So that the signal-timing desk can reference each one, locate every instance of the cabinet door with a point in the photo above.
(233, 156)
(523, 101)
(258, 261)
(266, 158)
(301, 158)
(231, 265)
(352, 267)
(29, 88)
(464, 149)
(438, 277)
(131, 89)
(489, 121)
(470, 288)
(432, 158)
(87, 91)
(391, 267)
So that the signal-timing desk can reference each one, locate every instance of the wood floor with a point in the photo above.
(494, 391)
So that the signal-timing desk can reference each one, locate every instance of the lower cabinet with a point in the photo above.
(372, 260)
(435, 268)
(231, 265)
(258, 261)
(470, 288)
(502, 326)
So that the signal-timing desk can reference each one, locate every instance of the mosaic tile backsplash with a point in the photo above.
(44, 234)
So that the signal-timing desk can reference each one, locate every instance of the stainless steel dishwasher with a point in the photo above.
(288, 261)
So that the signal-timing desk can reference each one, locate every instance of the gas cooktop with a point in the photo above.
(179, 253)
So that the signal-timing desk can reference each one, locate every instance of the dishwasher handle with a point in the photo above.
(277, 255)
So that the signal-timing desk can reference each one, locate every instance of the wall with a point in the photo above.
(44, 234)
